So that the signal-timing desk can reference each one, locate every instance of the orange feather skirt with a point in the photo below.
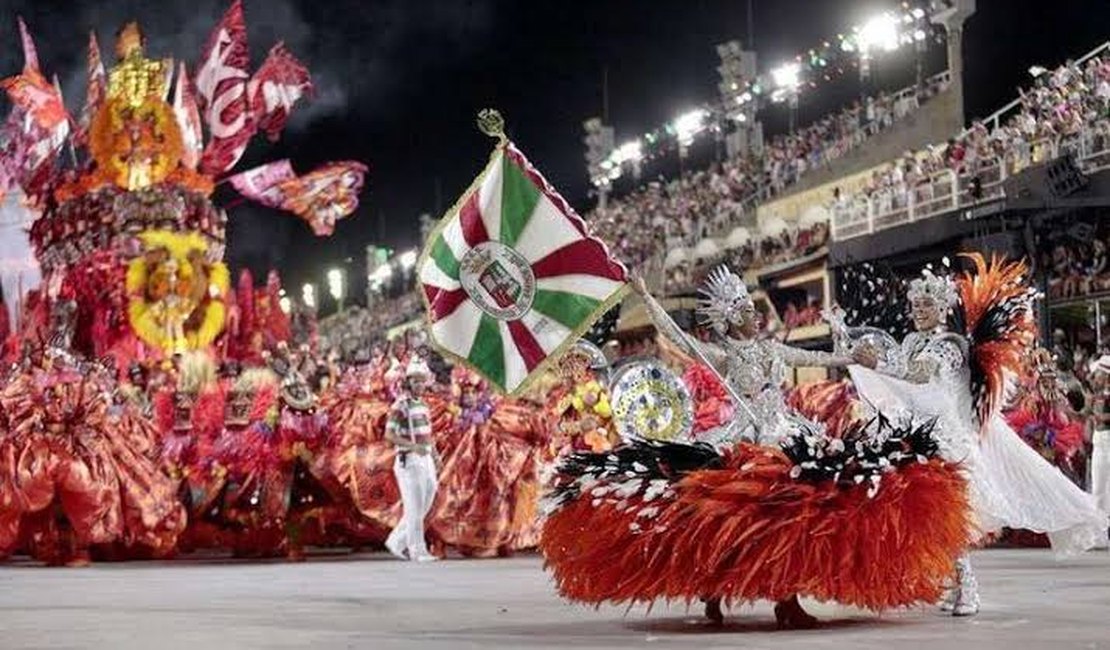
(746, 530)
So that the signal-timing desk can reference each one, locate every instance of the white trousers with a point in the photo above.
(1100, 468)
(416, 477)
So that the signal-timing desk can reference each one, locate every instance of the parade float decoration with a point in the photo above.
(121, 195)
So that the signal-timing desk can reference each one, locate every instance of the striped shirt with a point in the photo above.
(409, 418)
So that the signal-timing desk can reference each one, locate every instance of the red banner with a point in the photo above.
(221, 84)
(275, 88)
(263, 184)
(321, 197)
(96, 91)
(188, 119)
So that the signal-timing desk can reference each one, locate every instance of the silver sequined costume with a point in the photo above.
(756, 370)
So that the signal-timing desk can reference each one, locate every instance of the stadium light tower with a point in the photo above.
(336, 286)
(687, 126)
(308, 295)
(787, 79)
(952, 14)
(599, 146)
(427, 223)
(878, 34)
(407, 260)
(738, 74)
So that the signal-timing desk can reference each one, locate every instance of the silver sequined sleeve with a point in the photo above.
(667, 327)
(799, 358)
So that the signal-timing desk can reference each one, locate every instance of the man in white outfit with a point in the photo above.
(409, 429)
(1100, 437)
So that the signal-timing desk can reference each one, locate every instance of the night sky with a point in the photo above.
(400, 81)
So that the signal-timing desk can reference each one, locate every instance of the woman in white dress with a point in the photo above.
(932, 374)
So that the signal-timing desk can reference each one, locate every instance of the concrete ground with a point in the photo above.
(370, 601)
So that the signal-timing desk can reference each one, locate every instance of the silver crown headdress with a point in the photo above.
(724, 295)
(941, 290)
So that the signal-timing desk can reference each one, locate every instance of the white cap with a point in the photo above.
(417, 367)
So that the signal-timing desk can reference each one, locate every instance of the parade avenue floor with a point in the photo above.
(370, 601)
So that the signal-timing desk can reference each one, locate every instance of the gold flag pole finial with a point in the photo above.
(492, 124)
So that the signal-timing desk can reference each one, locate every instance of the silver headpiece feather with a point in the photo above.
(724, 296)
(940, 289)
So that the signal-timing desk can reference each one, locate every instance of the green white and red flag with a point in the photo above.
(510, 276)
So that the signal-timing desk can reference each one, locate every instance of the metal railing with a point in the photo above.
(946, 190)
(766, 192)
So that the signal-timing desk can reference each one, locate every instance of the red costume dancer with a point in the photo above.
(1045, 420)
(488, 479)
(272, 489)
(243, 399)
(73, 474)
(358, 460)
(189, 415)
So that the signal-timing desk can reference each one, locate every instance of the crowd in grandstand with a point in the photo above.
(348, 332)
(1063, 106)
(767, 250)
(706, 202)
(1072, 100)
(1079, 262)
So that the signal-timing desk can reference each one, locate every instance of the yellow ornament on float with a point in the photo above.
(176, 296)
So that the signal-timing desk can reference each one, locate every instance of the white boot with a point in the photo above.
(948, 599)
(967, 589)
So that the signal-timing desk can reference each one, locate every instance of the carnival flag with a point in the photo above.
(276, 87)
(95, 92)
(30, 53)
(221, 85)
(510, 276)
(188, 119)
(325, 195)
(31, 93)
(263, 184)
(321, 197)
(37, 126)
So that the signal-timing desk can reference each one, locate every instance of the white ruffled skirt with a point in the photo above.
(1009, 483)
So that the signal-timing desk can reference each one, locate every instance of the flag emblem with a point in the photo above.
(499, 280)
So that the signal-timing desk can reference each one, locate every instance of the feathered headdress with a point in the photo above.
(724, 295)
(997, 318)
(940, 290)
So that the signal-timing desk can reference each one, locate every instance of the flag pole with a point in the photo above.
(691, 345)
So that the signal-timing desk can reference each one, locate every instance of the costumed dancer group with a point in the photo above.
(191, 454)
(772, 507)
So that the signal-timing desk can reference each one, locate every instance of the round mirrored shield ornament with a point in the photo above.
(649, 401)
